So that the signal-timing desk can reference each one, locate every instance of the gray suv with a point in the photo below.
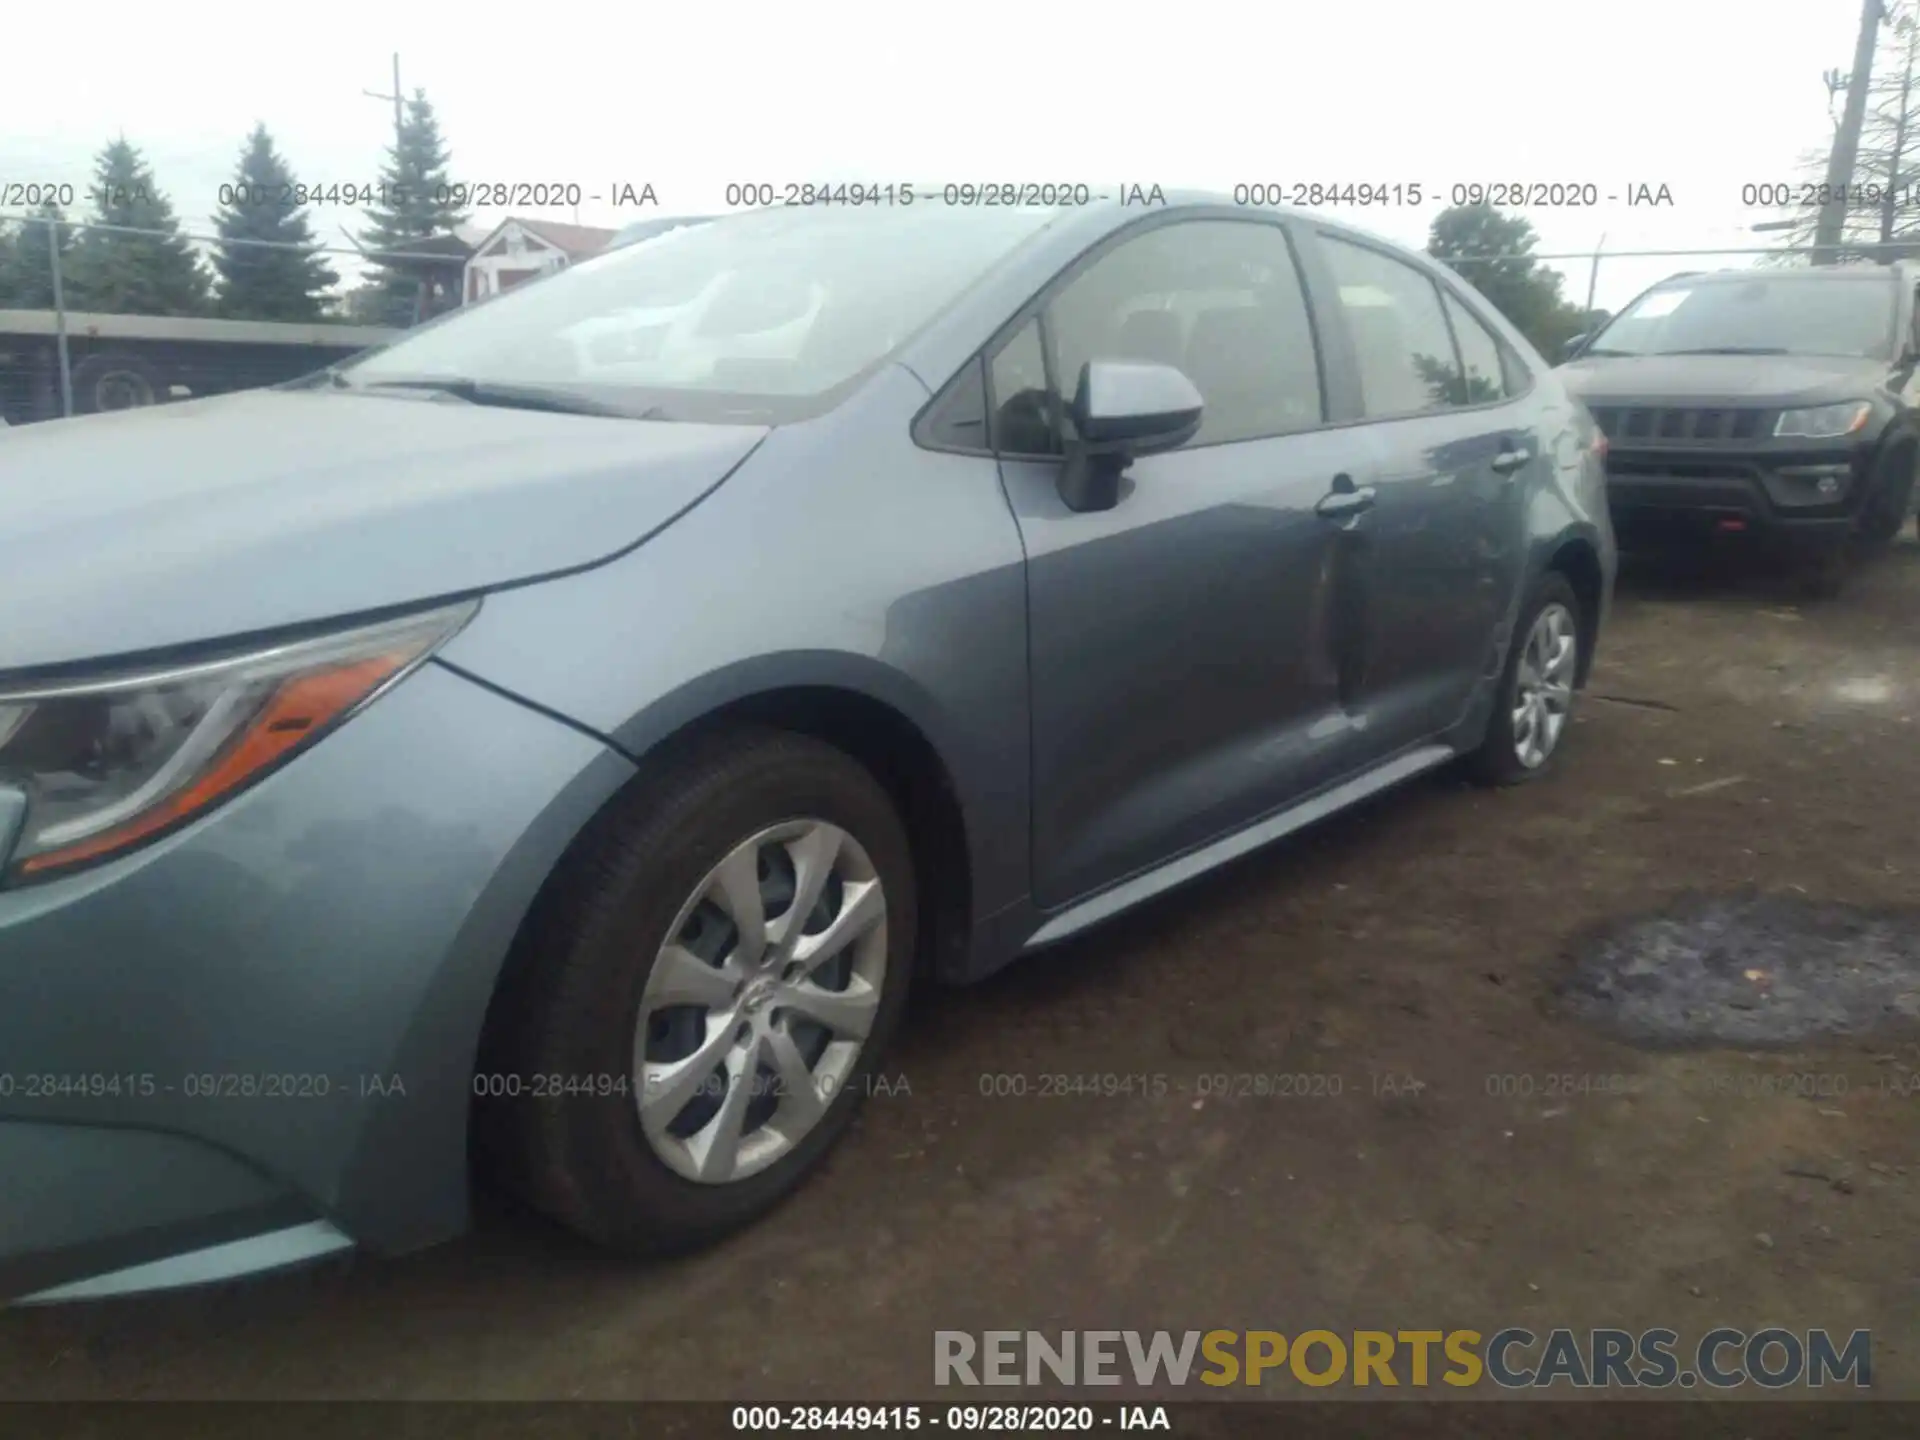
(561, 737)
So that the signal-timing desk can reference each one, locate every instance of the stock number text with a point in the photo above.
(1805, 195)
(782, 192)
(1276, 192)
(247, 195)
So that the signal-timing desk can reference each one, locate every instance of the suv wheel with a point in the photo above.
(1535, 698)
(1892, 498)
(707, 993)
(1823, 571)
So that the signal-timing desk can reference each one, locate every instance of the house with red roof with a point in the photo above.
(517, 250)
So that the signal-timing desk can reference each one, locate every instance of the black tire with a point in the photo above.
(1892, 498)
(583, 964)
(1823, 572)
(100, 381)
(1497, 760)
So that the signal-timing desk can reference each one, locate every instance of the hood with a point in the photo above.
(150, 528)
(1760, 380)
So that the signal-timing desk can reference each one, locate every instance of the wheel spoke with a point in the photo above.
(681, 977)
(813, 856)
(801, 1102)
(1560, 662)
(846, 1012)
(736, 889)
(1556, 696)
(716, 1145)
(862, 906)
(667, 1086)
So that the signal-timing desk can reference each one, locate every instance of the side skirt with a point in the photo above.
(1128, 893)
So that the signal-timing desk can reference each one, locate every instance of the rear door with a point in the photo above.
(1184, 644)
(1454, 446)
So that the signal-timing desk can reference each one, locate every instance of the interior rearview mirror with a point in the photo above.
(1123, 409)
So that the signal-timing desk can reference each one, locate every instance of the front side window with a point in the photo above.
(761, 317)
(1023, 419)
(1843, 315)
(1401, 340)
(1220, 300)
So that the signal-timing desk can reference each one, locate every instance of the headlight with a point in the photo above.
(110, 762)
(1824, 422)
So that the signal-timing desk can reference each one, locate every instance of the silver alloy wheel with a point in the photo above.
(1543, 685)
(759, 1002)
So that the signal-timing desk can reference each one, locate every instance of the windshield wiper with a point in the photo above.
(1729, 350)
(510, 397)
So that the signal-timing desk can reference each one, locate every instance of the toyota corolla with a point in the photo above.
(507, 753)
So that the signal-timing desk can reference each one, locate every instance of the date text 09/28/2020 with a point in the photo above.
(1012, 1419)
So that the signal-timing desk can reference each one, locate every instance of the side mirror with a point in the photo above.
(1574, 347)
(1121, 410)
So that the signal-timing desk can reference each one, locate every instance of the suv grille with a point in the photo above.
(1658, 425)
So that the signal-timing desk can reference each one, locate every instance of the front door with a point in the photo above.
(1184, 645)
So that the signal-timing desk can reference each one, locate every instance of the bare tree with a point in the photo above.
(1883, 204)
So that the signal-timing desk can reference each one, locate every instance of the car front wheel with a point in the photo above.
(707, 991)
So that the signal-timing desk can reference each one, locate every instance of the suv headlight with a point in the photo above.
(1824, 422)
(109, 762)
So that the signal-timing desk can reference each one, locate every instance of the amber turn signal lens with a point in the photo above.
(294, 713)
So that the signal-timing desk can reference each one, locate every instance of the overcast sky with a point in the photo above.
(1702, 96)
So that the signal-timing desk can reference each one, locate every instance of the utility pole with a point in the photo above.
(399, 133)
(1831, 225)
(399, 123)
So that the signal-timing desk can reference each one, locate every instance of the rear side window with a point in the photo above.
(1401, 340)
(1483, 378)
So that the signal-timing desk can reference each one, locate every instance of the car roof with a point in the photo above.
(1801, 273)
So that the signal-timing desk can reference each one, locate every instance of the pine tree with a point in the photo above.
(266, 282)
(26, 268)
(417, 203)
(134, 274)
(1492, 252)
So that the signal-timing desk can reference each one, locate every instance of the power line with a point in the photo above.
(1848, 246)
(315, 247)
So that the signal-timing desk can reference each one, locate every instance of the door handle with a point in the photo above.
(1339, 504)
(1511, 459)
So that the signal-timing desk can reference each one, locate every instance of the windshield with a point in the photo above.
(1779, 315)
(761, 318)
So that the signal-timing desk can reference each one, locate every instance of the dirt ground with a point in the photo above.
(1407, 955)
